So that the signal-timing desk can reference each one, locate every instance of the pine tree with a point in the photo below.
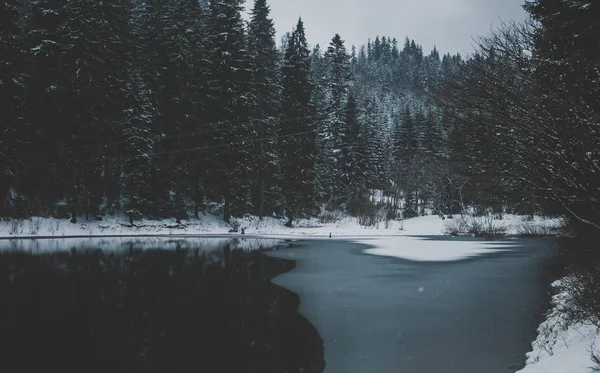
(139, 142)
(395, 53)
(44, 99)
(372, 121)
(232, 106)
(353, 159)
(192, 62)
(319, 97)
(318, 77)
(405, 144)
(432, 136)
(298, 143)
(339, 73)
(338, 79)
(174, 70)
(409, 138)
(11, 91)
(265, 90)
(377, 49)
(95, 51)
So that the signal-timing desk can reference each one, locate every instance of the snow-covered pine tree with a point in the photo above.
(265, 89)
(319, 99)
(377, 50)
(46, 87)
(395, 53)
(95, 36)
(188, 34)
(173, 67)
(231, 103)
(11, 91)
(298, 129)
(432, 139)
(372, 129)
(331, 134)
(138, 146)
(406, 148)
(409, 135)
(318, 77)
(353, 159)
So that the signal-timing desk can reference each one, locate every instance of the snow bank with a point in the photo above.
(560, 346)
(426, 249)
(211, 224)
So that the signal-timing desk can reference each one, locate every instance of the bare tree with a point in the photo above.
(537, 131)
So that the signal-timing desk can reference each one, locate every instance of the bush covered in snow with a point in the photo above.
(529, 227)
(486, 225)
(566, 340)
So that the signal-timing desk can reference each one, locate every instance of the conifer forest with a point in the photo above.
(161, 108)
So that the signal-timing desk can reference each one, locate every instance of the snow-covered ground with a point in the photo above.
(562, 347)
(210, 224)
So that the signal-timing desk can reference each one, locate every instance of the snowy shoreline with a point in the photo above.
(209, 224)
(412, 239)
(561, 345)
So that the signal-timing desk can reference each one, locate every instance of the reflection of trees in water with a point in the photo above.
(205, 244)
(152, 311)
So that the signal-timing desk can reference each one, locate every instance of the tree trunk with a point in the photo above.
(198, 198)
(261, 175)
(261, 202)
(226, 212)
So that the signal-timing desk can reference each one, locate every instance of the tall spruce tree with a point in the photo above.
(173, 73)
(95, 51)
(374, 138)
(139, 142)
(11, 90)
(44, 100)
(338, 80)
(298, 130)
(353, 161)
(231, 104)
(265, 88)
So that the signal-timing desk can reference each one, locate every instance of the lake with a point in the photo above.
(150, 305)
(223, 305)
(379, 314)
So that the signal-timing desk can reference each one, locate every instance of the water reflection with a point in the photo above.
(204, 244)
(150, 305)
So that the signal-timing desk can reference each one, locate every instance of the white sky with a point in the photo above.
(451, 25)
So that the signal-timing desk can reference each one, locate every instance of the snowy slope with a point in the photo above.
(561, 347)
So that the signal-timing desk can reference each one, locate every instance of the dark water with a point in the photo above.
(150, 305)
(210, 305)
(378, 314)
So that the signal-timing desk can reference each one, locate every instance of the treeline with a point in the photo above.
(168, 108)
(157, 107)
(525, 110)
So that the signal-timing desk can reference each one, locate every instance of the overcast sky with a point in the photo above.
(449, 24)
